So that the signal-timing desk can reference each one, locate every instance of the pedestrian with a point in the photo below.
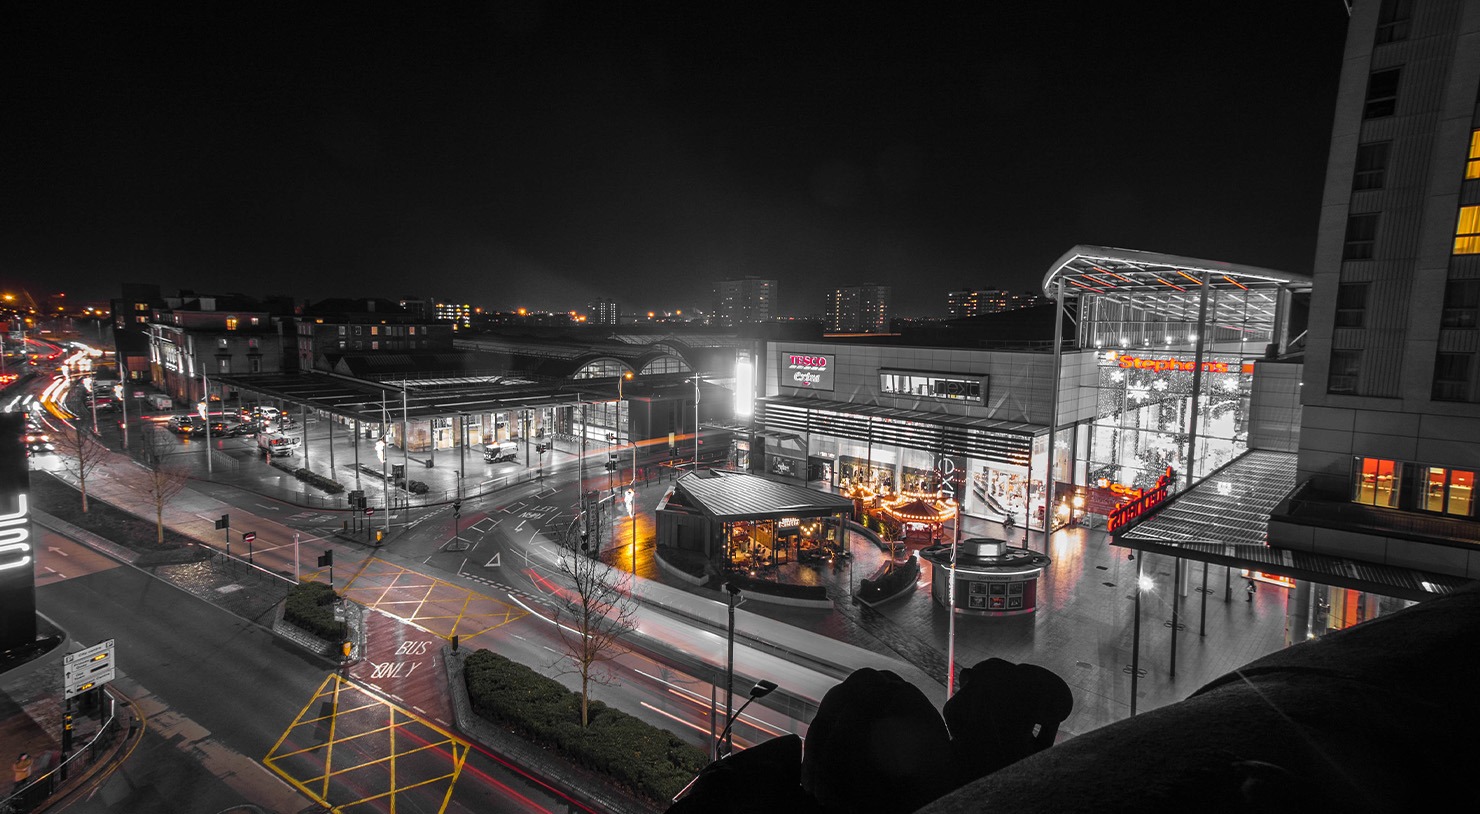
(1249, 590)
(21, 770)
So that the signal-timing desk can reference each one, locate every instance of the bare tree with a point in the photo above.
(163, 480)
(82, 454)
(595, 617)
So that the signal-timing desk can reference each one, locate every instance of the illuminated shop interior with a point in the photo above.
(1162, 329)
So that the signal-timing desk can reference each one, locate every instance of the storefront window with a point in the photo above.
(1377, 483)
(1143, 415)
(930, 385)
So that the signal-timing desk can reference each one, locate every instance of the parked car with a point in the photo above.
(185, 425)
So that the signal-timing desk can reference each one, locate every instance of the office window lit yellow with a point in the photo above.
(1472, 168)
(1467, 234)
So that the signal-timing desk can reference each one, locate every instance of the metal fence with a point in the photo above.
(35, 792)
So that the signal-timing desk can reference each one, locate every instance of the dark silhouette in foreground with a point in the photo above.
(1379, 717)
(877, 744)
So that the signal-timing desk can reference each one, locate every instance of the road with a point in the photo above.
(224, 696)
(490, 577)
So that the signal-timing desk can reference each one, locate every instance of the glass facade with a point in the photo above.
(1144, 411)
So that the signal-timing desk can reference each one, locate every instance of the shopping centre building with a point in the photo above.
(1144, 332)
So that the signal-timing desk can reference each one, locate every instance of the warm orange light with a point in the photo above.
(627, 375)
(650, 313)
(523, 312)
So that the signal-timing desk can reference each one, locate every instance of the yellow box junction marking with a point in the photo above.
(439, 607)
(372, 765)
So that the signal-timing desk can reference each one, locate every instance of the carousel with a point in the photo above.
(918, 517)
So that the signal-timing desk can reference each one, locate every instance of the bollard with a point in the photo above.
(454, 642)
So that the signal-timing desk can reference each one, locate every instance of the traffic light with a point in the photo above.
(457, 507)
(326, 559)
(224, 522)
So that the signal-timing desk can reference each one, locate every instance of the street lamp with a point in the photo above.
(696, 422)
(732, 592)
(1143, 583)
(761, 689)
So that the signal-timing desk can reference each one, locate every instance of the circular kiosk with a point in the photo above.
(992, 577)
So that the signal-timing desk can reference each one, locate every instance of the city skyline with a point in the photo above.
(555, 155)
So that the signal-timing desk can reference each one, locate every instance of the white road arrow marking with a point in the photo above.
(56, 550)
(493, 563)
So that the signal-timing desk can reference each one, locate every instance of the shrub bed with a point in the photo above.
(310, 606)
(63, 501)
(650, 761)
(899, 579)
(329, 485)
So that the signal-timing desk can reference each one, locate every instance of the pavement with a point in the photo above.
(1082, 629)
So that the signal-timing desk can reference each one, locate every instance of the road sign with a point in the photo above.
(249, 536)
(87, 669)
(369, 511)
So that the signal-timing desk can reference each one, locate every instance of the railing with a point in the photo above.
(39, 788)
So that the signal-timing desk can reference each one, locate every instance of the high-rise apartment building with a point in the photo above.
(858, 309)
(749, 299)
(971, 302)
(454, 312)
(1390, 433)
(604, 312)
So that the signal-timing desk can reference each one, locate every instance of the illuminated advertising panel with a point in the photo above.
(806, 370)
(17, 565)
(744, 385)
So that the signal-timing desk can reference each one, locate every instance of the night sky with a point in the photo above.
(541, 154)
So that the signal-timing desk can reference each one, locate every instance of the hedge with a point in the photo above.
(310, 606)
(650, 761)
(898, 579)
(329, 485)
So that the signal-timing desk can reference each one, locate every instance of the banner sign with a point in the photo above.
(1143, 504)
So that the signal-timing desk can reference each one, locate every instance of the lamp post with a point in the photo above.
(951, 600)
(1143, 583)
(732, 593)
(696, 422)
(205, 414)
(761, 689)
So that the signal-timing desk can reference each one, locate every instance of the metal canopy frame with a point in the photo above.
(1127, 285)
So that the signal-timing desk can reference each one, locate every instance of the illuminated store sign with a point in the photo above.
(17, 571)
(1148, 500)
(1166, 365)
(807, 370)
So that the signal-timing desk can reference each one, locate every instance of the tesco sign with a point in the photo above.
(808, 371)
